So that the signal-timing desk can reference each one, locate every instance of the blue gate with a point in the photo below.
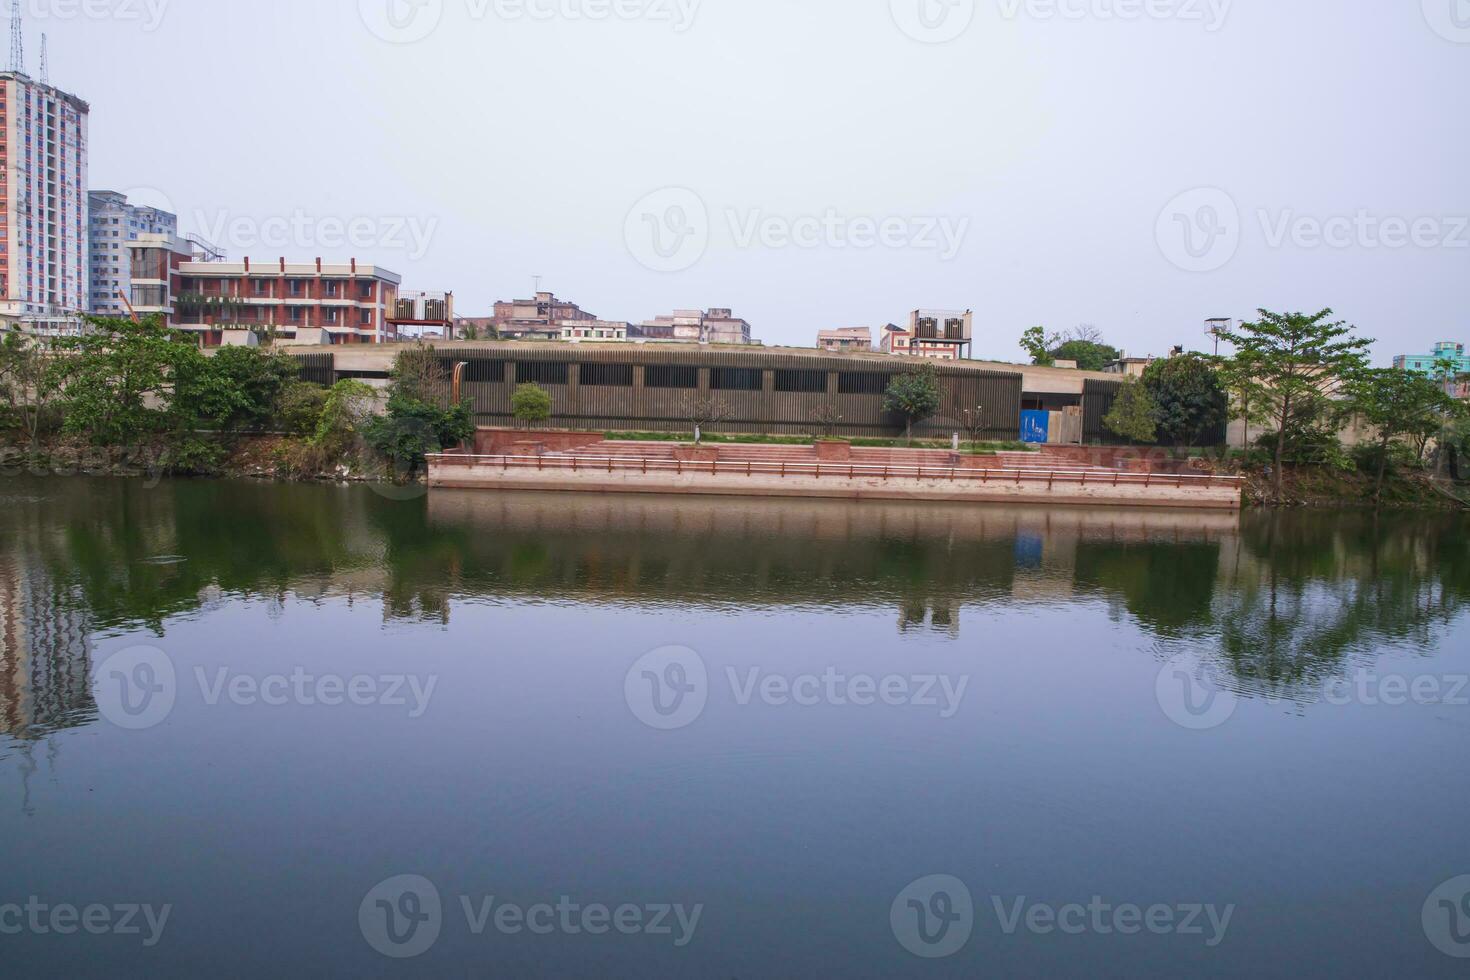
(1035, 427)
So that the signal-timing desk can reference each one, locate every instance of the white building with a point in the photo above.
(113, 223)
(606, 331)
(43, 206)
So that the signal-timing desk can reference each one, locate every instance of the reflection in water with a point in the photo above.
(1282, 601)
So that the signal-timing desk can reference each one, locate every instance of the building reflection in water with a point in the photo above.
(1280, 601)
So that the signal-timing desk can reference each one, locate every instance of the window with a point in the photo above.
(810, 382)
(669, 376)
(485, 372)
(297, 287)
(736, 379)
(365, 290)
(365, 317)
(541, 372)
(865, 383)
(607, 375)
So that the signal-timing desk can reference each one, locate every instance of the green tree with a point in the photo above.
(116, 380)
(1188, 398)
(1133, 413)
(420, 418)
(27, 382)
(530, 404)
(1036, 345)
(236, 389)
(914, 395)
(1399, 404)
(1088, 355)
(1301, 361)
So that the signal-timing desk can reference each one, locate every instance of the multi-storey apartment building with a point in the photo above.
(846, 339)
(113, 223)
(325, 303)
(43, 205)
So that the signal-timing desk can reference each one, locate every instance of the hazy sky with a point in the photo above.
(1140, 165)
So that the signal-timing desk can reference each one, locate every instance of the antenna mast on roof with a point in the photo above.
(17, 40)
(45, 68)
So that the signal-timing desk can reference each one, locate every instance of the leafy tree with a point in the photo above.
(1399, 404)
(1085, 345)
(915, 395)
(1133, 413)
(299, 407)
(1188, 398)
(420, 419)
(1035, 343)
(236, 389)
(345, 412)
(530, 404)
(117, 381)
(1300, 362)
(27, 382)
(1088, 355)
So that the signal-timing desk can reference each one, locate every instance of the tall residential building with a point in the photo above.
(43, 206)
(113, 224)
(226, 302)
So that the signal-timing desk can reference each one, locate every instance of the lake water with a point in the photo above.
(302, 731)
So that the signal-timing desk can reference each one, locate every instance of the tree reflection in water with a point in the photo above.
(1283, 601)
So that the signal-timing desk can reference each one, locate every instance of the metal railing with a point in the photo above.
(819, 470)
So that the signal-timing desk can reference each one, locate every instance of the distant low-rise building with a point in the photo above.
(427, 315)
(715, 326)
(941, 335)
(601, 331)
(846, 339)
(1130, 367)
(1429, 364)
(539, 318)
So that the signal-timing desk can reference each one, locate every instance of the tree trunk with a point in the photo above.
(1382, 472)
(908, 432)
